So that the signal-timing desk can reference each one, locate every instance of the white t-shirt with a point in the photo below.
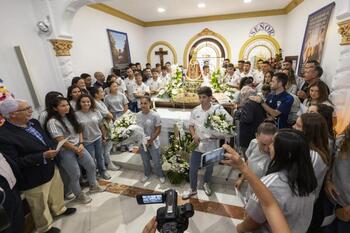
(142, 89)
(154, 84)
(296, 209)
(197, 120)
(129, 84)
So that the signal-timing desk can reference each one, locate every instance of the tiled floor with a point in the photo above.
(112, 212)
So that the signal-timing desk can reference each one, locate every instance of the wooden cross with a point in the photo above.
(161, 54)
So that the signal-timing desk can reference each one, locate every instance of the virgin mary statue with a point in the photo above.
(193, 70)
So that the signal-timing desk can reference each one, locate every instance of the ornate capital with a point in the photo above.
(344, 31)
(61, 47)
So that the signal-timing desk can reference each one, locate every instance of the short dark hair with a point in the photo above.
(315, 62)
(205, 91)
(130, 65)
(137, 63)
(164, 68)
(92, 100)
(267, 128)
(241, 61)
(137, 74)
(205, 66)
(230, 65)
(245, 81)
(319, 71)
(289, 61)
(75, 80)
(226, 59)
(154, 70)
(260, 60)
(281, 77)
(266, 62)
(292, 155)
(168, 62)
(148, 64)
(109, 78)
(85, 75)
(247, 62)
(266, 87)
(158, 64)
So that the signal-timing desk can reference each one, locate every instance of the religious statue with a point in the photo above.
(193, 69)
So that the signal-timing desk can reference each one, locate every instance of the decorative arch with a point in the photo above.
(165, 43)
(205, 33)
(258, 38)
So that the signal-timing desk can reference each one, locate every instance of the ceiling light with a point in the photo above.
(161, 10)
(247, 1)
(201, 5)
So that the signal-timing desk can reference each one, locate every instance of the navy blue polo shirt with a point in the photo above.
(283, 103)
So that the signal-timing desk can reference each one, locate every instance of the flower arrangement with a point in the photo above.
(175, 157)
(218, 123)
(215, 81)
(125, 130)
(175, 84)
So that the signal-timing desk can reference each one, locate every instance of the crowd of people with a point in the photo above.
(284, 133)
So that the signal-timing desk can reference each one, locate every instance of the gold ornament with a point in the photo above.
(61, 47)
(344, 31)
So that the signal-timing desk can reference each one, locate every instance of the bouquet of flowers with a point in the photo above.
(125, 130)
(175, 158)
(218, 123)
(215, 81)
(175, 84)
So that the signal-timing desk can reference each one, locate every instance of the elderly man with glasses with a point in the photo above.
(30, 152)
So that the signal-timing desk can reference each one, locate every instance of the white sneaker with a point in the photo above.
(82, 198)
(113, 167)
(69, 196)
(144, 179)
(207, 189)
(187, 194)
(96, 189)
(162, 180)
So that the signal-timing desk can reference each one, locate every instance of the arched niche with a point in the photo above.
(259, 47)
(166, 46)
(217, 42)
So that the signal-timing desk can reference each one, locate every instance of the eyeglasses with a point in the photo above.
(29, 108)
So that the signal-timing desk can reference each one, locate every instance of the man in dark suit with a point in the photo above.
(31, 155)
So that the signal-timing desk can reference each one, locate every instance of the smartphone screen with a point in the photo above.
(211, 157)
(150, 199)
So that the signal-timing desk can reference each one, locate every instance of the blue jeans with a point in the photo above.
(154, 154)
(195, 163)
(70, 162)
(133, 106)
(107, 147)
(96, 151)
(116, 115)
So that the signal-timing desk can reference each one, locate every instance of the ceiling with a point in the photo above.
(146, 10)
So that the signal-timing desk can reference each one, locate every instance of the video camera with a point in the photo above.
(171, 218)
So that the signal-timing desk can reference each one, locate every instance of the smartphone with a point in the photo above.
(211, 157)
(145, 199)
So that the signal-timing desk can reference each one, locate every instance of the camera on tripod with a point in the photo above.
(171, 218)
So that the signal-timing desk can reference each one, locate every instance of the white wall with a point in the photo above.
(18, 27)
(294, 34)
(235, 31)
(91, 51)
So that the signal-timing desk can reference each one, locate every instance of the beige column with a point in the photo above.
(62, 51)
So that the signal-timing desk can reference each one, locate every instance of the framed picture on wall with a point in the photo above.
(119, 48)
(294, 60)
(314, 37)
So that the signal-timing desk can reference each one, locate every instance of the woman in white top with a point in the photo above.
(291, 86)
(73, 94)
(318, 94)
(291, 179)
(91, 121)
(62, 124)
(315, 128)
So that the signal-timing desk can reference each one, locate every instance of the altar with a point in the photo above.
(169, 117)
